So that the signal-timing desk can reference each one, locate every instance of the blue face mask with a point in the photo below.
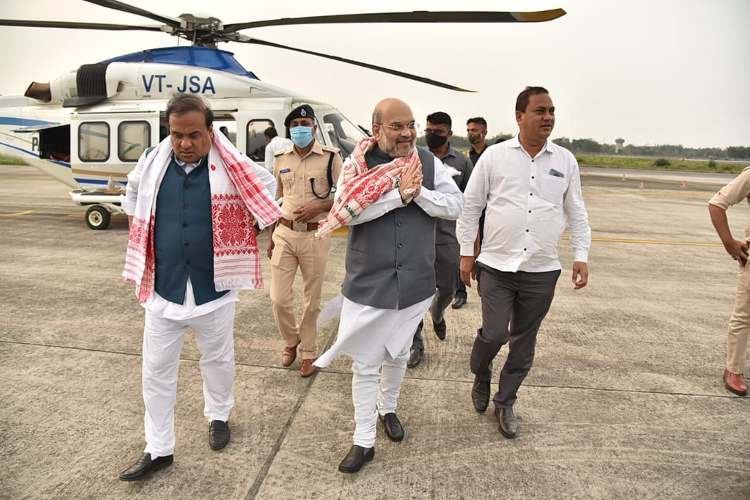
(301, 136)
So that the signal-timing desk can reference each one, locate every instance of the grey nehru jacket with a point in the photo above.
(390, 261)
(445, 230)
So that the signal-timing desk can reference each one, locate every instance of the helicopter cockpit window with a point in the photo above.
(342, 133)
(93, 141)
(133, 137)
(256, 140)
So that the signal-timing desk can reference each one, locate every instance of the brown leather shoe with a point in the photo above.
(735, 382)
(289, 355)
(307, 368)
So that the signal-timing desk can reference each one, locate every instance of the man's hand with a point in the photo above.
(411, 179)
(468, 270)
(308, 212)
(269, 248)
(580, 274)
(737, 250)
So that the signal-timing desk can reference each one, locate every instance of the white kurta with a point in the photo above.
(367, 333)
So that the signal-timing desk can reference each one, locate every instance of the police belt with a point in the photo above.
(299, 226)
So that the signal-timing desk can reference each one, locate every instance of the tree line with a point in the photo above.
(593, 147)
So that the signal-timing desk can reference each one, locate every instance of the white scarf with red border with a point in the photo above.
(238, 200)
(362, 186)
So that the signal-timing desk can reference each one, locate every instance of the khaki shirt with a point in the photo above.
(293, 174)
(733, 193)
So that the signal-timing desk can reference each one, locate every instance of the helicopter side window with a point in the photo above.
(256, 141)
(342, 133)
(93, 141)
(133, 137)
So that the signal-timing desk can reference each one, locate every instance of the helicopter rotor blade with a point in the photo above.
(394, 72)
(423, 16)
(124, 7)
(80, 26)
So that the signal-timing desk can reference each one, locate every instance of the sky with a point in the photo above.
(649, 71)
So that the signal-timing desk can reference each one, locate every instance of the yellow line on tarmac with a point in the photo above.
(342, 232)
(605, 239)
(25, 212)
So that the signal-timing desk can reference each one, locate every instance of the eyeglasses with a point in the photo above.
(399, 127)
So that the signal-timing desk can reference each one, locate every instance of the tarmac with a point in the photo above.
(625, 398)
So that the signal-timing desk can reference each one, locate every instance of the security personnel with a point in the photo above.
(306, 174)
(437, 135)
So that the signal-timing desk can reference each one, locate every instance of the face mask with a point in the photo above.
(301, 136)
(435, 141)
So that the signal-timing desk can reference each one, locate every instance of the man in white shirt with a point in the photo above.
(531, 189)
(274, 146)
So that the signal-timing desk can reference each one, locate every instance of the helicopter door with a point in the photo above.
(105, 147)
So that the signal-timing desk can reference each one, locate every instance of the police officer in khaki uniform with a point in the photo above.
(306, 176)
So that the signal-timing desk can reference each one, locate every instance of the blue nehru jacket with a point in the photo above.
(183, 235)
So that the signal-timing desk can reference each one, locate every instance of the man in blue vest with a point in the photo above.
(184, 291)
(390, 277)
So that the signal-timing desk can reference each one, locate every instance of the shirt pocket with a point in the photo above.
(287, 180)
(553, 188)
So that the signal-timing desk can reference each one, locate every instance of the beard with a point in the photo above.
(396, 149)
(474, 138)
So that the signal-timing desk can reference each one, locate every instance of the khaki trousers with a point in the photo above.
(739, 324)
(293, 249)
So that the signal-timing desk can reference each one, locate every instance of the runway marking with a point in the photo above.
(16, 214)
(604, 239)
(692, 195)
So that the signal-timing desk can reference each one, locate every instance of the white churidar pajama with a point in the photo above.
(165, 326)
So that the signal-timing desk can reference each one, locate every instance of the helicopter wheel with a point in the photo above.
(98, 217)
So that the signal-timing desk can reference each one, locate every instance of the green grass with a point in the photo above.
(666, 164)
(6, 160)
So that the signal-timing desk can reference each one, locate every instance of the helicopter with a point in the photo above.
(88, 127)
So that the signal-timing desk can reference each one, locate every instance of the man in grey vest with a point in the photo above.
(437, 134)
(390, 276)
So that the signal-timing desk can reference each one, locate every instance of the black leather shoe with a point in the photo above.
(145, 466)
(356, 458)
(415, 357)
(218, 434)
(458, 302)
(507, 422)
(393, 428)
(480, 394)
(440, 329)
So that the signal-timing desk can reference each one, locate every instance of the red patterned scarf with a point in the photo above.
(238, 200)
(362, 186)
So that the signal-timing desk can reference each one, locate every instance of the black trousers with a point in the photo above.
(513, 307)
(446, 262)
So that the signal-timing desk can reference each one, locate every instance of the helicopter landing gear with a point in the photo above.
(98, 217)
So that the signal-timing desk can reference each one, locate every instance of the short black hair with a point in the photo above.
(440, 118)
(185, 103)
(477, 119)
(523, 98)
(270, 132)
